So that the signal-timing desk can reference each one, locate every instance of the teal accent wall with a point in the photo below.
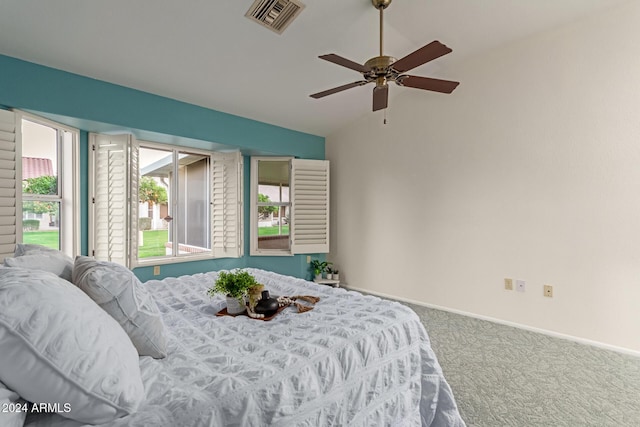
(96, 106)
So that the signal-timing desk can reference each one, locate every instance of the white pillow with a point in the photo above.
(13, 410)
(29, 248)
(119, 292)
(54, 262)
(57, 346)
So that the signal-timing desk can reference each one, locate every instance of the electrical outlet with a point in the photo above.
(308, 259)
(548, 291)
(156, 270)
(520, 285)
(508, 284)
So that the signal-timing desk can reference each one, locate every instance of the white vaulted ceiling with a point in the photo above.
(207, 53)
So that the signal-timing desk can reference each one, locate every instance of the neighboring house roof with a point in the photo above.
(164, 166)
(33, 167)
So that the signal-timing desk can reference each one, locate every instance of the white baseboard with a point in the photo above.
(505, 322)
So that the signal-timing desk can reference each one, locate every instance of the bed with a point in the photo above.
(354, 360)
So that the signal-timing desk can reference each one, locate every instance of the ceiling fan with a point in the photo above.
(383, 69)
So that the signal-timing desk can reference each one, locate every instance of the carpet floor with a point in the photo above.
(505, 376)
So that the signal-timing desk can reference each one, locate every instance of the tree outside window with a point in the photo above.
(265, 212)
(151, 192)
(47, 185)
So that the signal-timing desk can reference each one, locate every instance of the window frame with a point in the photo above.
(68, 194)
(254, 204)
(309, 207)
(115, 159)
(173, 199)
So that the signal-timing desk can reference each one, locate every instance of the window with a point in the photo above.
(273, 204)
(156, 203)
(48, 178)
(289, 206)
(164, 173)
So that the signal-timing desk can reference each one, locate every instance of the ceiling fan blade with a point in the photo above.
(338, 89)
(427, 53)
(426, 83)
(339, 60)
(380, 97)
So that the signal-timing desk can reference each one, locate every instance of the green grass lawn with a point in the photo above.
(49, 239)
(273, 231)
(153, 240)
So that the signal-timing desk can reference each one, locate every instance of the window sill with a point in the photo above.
(270, 253)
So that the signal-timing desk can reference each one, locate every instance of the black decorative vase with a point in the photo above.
(267, 305)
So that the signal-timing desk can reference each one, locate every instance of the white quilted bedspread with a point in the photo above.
(353, 360)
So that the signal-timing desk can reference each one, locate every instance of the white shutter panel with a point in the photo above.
(9, 219)
(134, 204)
(110, 214)
(309, 206)
(226, 203)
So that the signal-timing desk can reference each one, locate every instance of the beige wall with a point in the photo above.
(530, 170)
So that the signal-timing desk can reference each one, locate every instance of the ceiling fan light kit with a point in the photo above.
(383, 69)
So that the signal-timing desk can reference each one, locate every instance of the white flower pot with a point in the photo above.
(234, 306)
(336, 276)
(318, 277)
(330, 276)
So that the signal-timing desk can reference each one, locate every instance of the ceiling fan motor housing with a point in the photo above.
(380, 70)
(380, 64)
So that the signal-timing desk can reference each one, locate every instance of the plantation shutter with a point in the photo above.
(226, 203)
(9, 219)
(309, 206)
(113, 164)
(134, 203)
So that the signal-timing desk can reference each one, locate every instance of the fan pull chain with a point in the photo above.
(385, 117)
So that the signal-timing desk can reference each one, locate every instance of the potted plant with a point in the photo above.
(318, 268)
(234, 285)
(336, 274)
(329, 273)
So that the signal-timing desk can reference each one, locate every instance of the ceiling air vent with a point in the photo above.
(274, 14)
